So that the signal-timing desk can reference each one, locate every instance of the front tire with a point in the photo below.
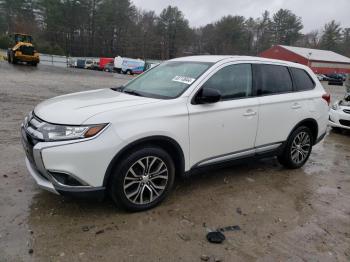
(142, 179)
(297, 149)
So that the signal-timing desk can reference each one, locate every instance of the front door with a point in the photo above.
(225, 129)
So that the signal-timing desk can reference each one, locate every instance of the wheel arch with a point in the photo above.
(164, 142)
(310, 123)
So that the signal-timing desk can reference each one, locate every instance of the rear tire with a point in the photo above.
(297, 149)
(142, 179)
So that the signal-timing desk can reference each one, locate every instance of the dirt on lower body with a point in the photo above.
(282, 215)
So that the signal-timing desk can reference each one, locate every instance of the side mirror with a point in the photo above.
(208, 96)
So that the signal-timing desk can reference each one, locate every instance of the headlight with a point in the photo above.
(335, 106)
(53, 132)
(27, 118)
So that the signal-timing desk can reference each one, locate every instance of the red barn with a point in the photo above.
(320, 61)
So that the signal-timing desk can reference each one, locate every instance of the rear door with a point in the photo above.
(280, 108)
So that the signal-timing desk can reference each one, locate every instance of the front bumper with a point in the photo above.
(42, 182)
(338, 116)
(84, 160)
(27, 58)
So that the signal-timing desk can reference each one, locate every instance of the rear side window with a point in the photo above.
(302, 80)
(273, 79)
(233, 81)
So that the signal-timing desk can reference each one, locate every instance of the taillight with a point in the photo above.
(327, 97)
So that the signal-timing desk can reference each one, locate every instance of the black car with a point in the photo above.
(335, 79)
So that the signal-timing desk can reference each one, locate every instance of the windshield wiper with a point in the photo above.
(122, 90)
(118, 88)
(131, 92)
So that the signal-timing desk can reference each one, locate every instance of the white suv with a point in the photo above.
(186, 113)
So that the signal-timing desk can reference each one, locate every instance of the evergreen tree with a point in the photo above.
(286, 27)
(331, 36)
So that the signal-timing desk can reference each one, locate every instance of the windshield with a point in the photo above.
(23, 38)
(167, 80)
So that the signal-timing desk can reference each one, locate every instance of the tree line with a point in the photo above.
(116, 27)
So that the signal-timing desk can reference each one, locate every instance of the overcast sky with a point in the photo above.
(314, 13)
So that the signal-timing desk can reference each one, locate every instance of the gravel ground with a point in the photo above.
(283, 215)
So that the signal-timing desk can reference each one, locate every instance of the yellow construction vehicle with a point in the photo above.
(22, 50)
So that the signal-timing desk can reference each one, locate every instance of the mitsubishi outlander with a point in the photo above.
(187, 113)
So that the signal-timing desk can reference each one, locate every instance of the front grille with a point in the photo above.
(28, 145)
(346, 111)
(344, 122)
(29, 139)
(32, 129)
(27, 50)
(38, 171)
(31, 136)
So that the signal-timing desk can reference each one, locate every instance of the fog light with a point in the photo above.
(65, 179)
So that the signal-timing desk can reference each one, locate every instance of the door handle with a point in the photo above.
(296, 106)
(249, 112)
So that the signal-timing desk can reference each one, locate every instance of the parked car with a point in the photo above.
(104, 61)
(185, 114)
(343, 76)
(335, 76)
(88, 63)
(132, 66)
(72, 62)
(95, 65)
(80, 63)
(339, 114)
(322, 77)
(335, 79)
(151, 63)
(109, 67)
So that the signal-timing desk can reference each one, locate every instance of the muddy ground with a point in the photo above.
(283, 215)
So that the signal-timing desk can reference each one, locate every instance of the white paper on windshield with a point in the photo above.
(184, 79)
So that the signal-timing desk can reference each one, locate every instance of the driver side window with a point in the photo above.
(233, 81)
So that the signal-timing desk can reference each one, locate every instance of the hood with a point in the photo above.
(74, 109)
(19, 44)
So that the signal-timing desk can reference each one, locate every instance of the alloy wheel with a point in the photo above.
(146, 180)
(300, 148)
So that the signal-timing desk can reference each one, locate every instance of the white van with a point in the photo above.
(118, 61)
(133, 66)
